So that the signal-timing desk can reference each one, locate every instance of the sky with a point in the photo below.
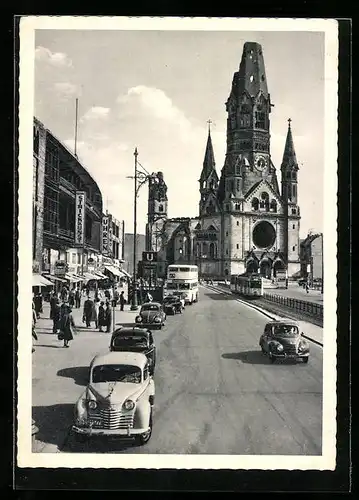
(156, 90)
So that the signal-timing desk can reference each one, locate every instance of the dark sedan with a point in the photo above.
(152, 313)
(135, 339)
(282, 339)
(172, 304)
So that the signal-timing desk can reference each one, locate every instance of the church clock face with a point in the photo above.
(261, 162)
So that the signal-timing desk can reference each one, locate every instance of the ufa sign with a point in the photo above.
(80, 217)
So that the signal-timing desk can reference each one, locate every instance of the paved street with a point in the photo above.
(215, 392)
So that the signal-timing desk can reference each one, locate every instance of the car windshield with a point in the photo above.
(184, 286)
(170, 299)
(116, 373)
(149, 307)
(285, 330)
(130, 340)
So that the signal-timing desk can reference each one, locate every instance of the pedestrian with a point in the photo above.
(71, 298)
(101, 316)
(108, 317)
(38, 304)
(64, 293)
(307, 287)
(88, 312)
(122, 300)
(96, 309)
(52, 302)
(67, 327)
(34, 319)
(56, 315)
(77, 298)
(149, 297)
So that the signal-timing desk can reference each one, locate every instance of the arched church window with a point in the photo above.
(294, 175)
(288, 175)
(160, 208)
(204, 185)
(273, 206)
(204, 249)
(237, 206)
(211, 185)
(294, 190)
(255, 204)
(264, 203)
(198, 249)
(212, 251)
(238, 184)
(289, 192)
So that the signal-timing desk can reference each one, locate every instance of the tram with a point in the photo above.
(247, 285)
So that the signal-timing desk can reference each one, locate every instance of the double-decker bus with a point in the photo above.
(182, 280)
(247, 285)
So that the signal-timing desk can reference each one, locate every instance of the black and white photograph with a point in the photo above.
(177, 243)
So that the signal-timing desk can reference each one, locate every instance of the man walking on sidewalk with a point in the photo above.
(122, 300)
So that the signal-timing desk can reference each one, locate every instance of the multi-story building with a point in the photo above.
(113, 232)
(128, 250)
(67, 204)
(311, 257)
(245, 222)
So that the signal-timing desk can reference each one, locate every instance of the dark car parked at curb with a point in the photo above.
(172, 304)
(135, 339)
(282, 339)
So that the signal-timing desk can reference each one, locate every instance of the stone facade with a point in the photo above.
(245, 222)
(39, 152)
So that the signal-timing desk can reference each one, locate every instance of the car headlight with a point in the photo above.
(138, 319)
(92, 404)
(157, 319)
(303, 346)
(129, 405)
(278, 347)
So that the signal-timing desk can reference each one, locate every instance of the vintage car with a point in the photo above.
(134, 338)
(152, 313)
(172, 304)
(282, 339)
(118, 399)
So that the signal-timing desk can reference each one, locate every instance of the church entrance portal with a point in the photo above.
(278, 266)
(265, 269)
(252, 266)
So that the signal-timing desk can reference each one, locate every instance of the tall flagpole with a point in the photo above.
(76, 121)
(134, 305)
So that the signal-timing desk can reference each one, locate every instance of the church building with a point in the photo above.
(246, 222)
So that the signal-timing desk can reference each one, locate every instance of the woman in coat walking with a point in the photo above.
(67, 325)
(56, 315)
(101, 316)
(108, 317)
(88, 312)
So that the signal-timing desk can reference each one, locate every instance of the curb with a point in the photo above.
(259, 309)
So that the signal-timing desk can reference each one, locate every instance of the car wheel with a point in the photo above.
(305, 360)
(146, 436)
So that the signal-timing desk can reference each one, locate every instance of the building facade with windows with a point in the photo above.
(311, 257)
(246, 222)
(58, 176)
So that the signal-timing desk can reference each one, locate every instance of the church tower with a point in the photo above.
(289, 170)
(157, 211)
(208, 181)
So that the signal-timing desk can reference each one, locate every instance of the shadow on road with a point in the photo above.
(252, 357)
(60, 346)
(73, 444)
(220, 296)
(256, 358)
(80, 374)
(53, 422)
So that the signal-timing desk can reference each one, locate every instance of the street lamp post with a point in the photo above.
(134, 305)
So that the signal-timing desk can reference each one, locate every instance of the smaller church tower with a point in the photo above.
(208, 181)
(157, 211)
(289, 170)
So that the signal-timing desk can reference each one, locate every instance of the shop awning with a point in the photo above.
(100, 275)
(91, 276)
(52, 277)
(73, 278)
(125, 273)
(38, 280)
(114, 270)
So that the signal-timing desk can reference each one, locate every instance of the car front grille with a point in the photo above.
(290, 349)
(111, 417)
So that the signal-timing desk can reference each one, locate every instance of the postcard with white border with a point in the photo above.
(174, 242)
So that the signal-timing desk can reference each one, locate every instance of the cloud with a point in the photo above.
(66, 88)
(58, 59)
(96, 113)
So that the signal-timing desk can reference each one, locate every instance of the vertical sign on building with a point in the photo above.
(80, 217)
(105, 235)
(110, 236)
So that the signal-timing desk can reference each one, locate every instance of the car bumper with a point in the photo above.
(290, 356)
(90, 431)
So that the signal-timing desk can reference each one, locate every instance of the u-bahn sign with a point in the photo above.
(80, 217)
(149, 257)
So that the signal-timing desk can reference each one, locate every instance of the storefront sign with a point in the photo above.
(104, 235)
(80, 217)
(61, 267)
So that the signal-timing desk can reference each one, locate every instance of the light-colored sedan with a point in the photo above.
(118, 399)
